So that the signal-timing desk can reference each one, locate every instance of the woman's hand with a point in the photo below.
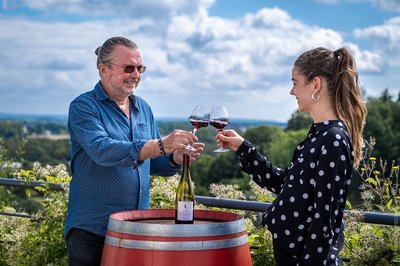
(229, 139)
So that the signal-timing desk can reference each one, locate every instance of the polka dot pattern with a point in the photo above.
(306, 217)
(106, 174)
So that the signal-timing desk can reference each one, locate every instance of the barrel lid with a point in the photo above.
(149, 223)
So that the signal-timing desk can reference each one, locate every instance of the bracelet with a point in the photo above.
(172, 161)
(160, 144)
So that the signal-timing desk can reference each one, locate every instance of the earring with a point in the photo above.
(315, 96)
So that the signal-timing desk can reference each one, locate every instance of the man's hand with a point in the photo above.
(178, 139)
(178, 154)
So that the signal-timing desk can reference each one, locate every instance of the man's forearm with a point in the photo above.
(151, 149)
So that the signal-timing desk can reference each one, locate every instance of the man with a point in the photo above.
(116, 146)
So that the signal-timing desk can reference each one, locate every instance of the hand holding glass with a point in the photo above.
(199, 118)
(219, 118)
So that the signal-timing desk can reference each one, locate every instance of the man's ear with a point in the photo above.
(102, 68)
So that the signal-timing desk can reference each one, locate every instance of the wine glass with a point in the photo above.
(199, 118)
(219, 118)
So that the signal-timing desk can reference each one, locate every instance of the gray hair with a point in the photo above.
(104, 52)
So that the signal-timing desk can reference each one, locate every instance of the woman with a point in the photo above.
(306, 218)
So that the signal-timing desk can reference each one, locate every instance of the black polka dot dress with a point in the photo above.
(306, 217)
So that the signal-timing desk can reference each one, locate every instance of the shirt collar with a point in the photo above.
(322, 126)
(101, 95)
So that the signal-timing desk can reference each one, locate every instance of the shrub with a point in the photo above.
(373, 244)
(38, 241)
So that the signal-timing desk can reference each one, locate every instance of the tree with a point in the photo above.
(386, 97)
(263, 136)
(299, 121)
(225, 166)
(383, 124)
(280, 152)
(199, 173)
(11, 129)
(47, 151)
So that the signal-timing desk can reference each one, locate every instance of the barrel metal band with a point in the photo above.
(182, 230)
(183, 245)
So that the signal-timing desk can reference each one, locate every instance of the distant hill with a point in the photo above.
(254, 122)
(34, 117)
(236, 122)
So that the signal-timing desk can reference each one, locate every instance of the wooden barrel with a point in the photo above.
(151, 237)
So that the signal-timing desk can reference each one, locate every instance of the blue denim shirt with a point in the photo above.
(107, 176)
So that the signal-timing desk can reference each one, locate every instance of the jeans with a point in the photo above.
(84, 248)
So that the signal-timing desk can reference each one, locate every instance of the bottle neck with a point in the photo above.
(186, 160)
(186, 170)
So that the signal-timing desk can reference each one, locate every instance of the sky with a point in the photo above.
(237, 53)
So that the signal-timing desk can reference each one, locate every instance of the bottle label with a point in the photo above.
(185, 211)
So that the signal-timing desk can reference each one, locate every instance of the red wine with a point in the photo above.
(198, 123)
(219, 124)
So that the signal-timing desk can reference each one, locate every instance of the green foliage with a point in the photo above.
(48, 151)
(261, 248)
(38, 241)
(13, 232)
(383, 124)
(22, 127)
(374, 244)
(370, 244)
(223, 166)
(263, 136)
(11, 129)
(386, 97)
(299, 120)
(199, 171)
(7, 161)
(162, 192)
(281, 151)
(380, 183)
(12, 196)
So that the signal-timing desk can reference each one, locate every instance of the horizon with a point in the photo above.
(235, 53)
(4, 116)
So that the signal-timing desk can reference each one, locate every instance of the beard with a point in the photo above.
(129, 85)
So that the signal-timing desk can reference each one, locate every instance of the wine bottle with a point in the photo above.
(185, 196)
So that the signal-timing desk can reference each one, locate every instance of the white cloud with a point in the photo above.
(158, 9)
(390, 5)
(192, 57)
(386, 35)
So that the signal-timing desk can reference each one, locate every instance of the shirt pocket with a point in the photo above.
(142, 131)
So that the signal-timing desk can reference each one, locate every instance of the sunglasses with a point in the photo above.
(131, 68)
